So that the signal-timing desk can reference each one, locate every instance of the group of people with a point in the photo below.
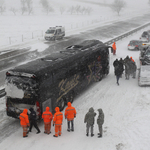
(28, 121)
(127, 64)
(90, 119)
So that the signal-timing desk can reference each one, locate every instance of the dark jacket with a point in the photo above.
(89, 117)
(115, 63)
(118, 69)
(100, 119)
(32, 115)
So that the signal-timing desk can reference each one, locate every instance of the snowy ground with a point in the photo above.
(127, 116)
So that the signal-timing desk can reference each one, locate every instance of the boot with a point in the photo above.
(68, 130)
(25, 136)
(87, 134)
(55, 136)
(92, 135)
(38, 132)
(99, 136)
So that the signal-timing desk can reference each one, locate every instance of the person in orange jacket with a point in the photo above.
(24, 122)
(47, 117)
(132, 59)
(58, 118)
(114, 48)
(70, 114)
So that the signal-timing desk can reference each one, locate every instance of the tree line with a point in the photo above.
(26, 7)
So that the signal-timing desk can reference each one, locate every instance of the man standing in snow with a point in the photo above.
(47, 117)
(114, 48)
(24, 121)
(32, 119)
(89, 119)
(100, 121)
(70, 114)
(57, 121)
(118, 71)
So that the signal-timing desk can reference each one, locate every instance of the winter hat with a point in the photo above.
(31, 109)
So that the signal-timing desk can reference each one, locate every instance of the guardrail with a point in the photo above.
(126, 34)
(3, 93)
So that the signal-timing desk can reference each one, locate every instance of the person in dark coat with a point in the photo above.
(127, 61)
(33, 121)
(116, 62)
(122, 65)
(118, 72)
(89, 120)
(100, 122)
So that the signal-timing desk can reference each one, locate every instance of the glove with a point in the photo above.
(53, 124)
(74, 116)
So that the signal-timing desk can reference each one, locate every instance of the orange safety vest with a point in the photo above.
(47, 115)
(70, 112)
(24, 120)
(58, 117)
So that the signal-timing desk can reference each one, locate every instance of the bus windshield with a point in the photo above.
(21, 87)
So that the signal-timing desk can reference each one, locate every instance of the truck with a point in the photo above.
(144, 70)
(55, 33)
(55, 79)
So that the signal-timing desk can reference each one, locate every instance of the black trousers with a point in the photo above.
(33, 123)
(72, 124)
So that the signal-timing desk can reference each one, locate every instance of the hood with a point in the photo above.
(91, 109)
(69, 104)
(57, 109)
(31, 109)
(47, 108)
(100, 110)
(25, 111)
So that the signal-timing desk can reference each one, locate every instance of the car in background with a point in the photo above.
(145, 37)
(55, 33)
(135, 45)
(144, 75)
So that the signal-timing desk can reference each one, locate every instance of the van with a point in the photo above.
(55, 33)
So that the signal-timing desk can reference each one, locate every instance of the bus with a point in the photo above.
(55, 79)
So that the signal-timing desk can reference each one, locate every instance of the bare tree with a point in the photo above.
(71, 10)
(23, 6)
(62, 9)
(14, 10)
(29, 6)
(88, 10)
(46, 6)
(118, 5)
(2, 7)
(77, 9)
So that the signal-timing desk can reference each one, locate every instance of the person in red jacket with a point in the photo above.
(114, 48)
(70, 114)
(58, 118)
(47, 117)
(24, 122)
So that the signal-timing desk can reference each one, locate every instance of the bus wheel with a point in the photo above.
(71, 97)
(61, 104)
(99, 76)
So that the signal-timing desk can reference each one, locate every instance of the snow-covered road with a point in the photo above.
(127, 116)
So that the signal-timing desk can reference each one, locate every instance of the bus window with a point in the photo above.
(21, 87)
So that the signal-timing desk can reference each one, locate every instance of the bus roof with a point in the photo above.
(43, 66)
